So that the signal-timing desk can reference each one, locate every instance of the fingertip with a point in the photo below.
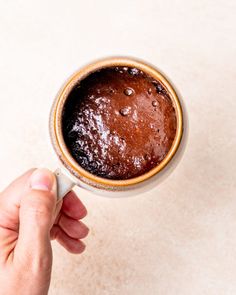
(78, 248)
(73, 246)
(73, 228)
(73, 207)
(43, 179)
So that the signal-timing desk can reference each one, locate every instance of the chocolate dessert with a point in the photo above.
(119, 123)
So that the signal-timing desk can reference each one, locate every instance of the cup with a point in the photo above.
(71, 173)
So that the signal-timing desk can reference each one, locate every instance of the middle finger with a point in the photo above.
(73, 228)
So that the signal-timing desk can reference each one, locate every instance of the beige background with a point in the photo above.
(181, 237)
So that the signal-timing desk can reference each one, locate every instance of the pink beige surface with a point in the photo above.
(179, 238)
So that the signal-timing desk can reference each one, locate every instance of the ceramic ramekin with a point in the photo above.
(71, 173)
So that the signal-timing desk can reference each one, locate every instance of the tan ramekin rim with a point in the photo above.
(81, 74)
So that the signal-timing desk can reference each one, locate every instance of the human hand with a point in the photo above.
(30, 218)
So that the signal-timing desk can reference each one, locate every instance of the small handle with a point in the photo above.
(64, 184)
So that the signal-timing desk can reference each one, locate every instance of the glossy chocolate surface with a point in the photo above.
(119, 123)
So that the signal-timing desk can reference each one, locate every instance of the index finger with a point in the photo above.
(73, 207)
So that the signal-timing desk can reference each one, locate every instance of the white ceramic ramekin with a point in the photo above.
(71, 173)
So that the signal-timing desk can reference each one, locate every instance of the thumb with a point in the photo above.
(36, 216)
